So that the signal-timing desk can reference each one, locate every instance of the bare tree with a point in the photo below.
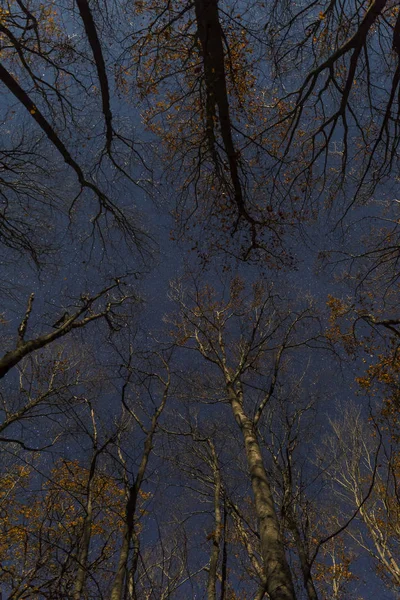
(47, 74)
(265, 331)
(356, 449)
(151, 379)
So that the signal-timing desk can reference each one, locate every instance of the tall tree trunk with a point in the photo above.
(132, 572)
(292, 525)
(212, 573)
(257, 566)
(84, 549)
(224, 566)
(279, 583)
(304, 563)
(127, 532)
(84, 544)
(130, 511)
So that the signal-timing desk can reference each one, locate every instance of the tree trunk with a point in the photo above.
(279, 583)
(130, 510)
(292, 525)
(304, 563)
(212, 573)
(224, 566)
(84, 544)
(84, 550)
(118, 585)
(132, 572)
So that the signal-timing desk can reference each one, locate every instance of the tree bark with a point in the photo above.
(212, 573)
(224, 566)
(86, 535)
(128, 533)
(304, 563)
(279, 585)
(131, 575)
(118, 585)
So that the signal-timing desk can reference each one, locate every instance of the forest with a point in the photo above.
(199, 317)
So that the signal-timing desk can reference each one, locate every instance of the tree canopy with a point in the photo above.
(199, 241)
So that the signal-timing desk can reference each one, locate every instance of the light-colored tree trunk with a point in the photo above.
(84, 544)
(131, 575)
(84, 548)
(279, 585)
